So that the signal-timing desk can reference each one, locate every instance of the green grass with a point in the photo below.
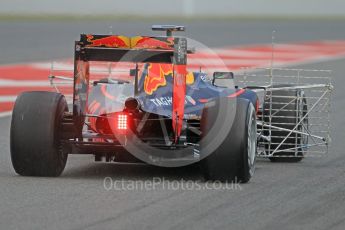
(69, 17)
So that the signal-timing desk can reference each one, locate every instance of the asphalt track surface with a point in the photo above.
(306, 195)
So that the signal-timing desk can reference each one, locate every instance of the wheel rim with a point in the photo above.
(251, 144)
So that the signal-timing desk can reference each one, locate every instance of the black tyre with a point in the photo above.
(234, 158)
(288, 107)
(35, 137)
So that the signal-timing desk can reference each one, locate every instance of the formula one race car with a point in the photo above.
(154, 111)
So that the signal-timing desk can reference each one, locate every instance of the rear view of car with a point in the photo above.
(153, 110)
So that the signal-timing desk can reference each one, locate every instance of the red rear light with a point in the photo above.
(122, 122)
(113, 123)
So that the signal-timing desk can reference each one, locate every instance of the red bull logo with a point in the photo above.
(152, 43)
(109, 41)
(155, 77)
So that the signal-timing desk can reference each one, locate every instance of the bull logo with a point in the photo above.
(152, 43)
(109, 41)
(155, 77)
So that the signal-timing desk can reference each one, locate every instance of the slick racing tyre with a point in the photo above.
(234, 159)
(288, 109)
(35, 137)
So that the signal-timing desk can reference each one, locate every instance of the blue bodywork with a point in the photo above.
(159, 102)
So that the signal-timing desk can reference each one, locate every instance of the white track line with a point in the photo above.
(5, 114)
(8, 98)
(19, 83)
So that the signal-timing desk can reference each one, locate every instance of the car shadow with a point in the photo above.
(125, 171)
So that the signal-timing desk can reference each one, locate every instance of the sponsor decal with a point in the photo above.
(140, 42)
(167, 101)
(109, 41)
(156, 74)
(162, 101)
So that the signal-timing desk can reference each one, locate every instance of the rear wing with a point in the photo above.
(117, 48)
(138, 49)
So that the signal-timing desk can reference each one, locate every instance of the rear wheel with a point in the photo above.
(234, 159)
(288, 109)
(35, 134)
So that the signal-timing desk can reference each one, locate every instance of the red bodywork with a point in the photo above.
(179, 94)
